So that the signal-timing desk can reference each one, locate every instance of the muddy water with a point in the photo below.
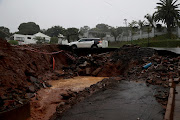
(76, 83)
(126, 101)
(44, 105)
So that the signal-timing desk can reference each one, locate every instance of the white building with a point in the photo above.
(30, 39)
(62, 40)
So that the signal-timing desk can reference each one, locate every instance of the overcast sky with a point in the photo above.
(72, 13)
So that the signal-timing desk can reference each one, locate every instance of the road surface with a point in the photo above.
(126, 101)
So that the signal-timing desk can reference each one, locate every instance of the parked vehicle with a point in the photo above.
(87, 43)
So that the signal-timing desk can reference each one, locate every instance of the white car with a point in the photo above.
(87, 43)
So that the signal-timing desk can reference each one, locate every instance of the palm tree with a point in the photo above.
(168, 13)
(150, 19)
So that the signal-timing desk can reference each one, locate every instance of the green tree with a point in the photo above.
(29, 28)
(4, 32)
(99, 34)
(54, 40)
(103, 27)
(141, 26)
(71, 34)
(133, 27)
(84, 29)
(55, 31)
(115, 32)
(150, 25)
(168, 13)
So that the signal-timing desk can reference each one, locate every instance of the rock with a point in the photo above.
(88, 71)
(29, 95)
(84, 64)
(65, 96)
(33, 79)
(94, 73)
(47, 84)
(176, 80)
(161, 68)
(164, 78)
(158, 82)
(31, 89)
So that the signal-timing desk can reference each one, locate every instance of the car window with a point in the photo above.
(96, 40)
(82, 40)
(88, 39)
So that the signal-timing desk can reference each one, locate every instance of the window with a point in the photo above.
(28, 37)
(88, 39)
(21, 39)
(82, 40)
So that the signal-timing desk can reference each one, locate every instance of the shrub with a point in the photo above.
(13, 42)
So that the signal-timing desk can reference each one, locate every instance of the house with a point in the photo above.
(30, 39)
(45, 37)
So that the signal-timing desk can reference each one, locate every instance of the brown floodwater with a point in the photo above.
(44, 105)
(76, 83)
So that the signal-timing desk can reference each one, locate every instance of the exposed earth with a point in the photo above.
(54, 79)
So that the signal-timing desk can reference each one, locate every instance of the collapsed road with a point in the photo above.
(125, 101)
(33, 73)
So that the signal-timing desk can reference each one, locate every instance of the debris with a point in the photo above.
(147, 65)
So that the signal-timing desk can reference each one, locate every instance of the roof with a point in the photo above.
(39, 34)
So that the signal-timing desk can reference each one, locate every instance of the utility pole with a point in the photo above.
(125, 20)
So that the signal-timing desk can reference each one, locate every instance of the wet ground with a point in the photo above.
(126, 101)
(175, 50)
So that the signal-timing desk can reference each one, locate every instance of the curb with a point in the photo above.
(171, 102)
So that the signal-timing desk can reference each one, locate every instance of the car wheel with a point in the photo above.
(74, 47)
(94, 47)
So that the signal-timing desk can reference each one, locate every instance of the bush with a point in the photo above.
(13, 42)
(54, 40)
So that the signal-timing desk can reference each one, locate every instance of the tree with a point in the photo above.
(100, 35)
(103, 27)
(54, 40)
(141, 25)
(84, 29)
(133, 26)
(150, 19)
(115, 32)
(4, 32)
(29, 28)
(71, 34)
(150, 25)
(159, 27)
(55, 31)
(168, 13)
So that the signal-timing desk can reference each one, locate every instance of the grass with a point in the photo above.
(158, 41)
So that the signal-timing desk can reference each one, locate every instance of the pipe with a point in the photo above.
(147, 65)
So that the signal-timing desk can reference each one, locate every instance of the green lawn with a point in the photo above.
(159, 41)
